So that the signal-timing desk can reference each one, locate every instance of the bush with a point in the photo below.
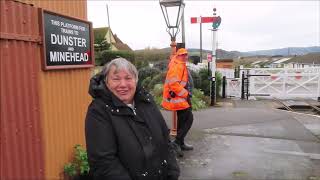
(157, 94)
(159, 78)
(97, 58)
(198, 103)
(157, 90)
(199, 100)
(141, 64)
(79, 165)
(204, 84)
(161, 65)
(145, 83)
(196, 79)
(218, 83)
(108, 55)
(147, 72)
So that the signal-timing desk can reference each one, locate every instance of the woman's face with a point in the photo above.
(122, 84)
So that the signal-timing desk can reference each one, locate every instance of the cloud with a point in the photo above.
(246, 25)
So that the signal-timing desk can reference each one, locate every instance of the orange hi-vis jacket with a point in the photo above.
(176, 81)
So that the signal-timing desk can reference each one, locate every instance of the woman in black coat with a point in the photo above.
(126, 135)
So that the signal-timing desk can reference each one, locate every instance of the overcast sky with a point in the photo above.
(245, 26)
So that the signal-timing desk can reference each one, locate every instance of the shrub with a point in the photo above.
(98, 58)
(161, 65)
(204, 84)
(159, 78)
(196, 79)
(141, 64)
(218, 83)
(198, 103)
(79, 165)
(147, 72)
(145, 83)
(157, 93)
(199, 100)
(108, 55)
(157, 90)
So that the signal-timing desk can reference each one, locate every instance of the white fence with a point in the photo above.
(282, 83)
(286, 83)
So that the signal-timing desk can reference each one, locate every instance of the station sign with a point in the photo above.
(67, 41)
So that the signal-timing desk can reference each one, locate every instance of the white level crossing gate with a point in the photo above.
(281, 83)
(284, 83)
(233, 88)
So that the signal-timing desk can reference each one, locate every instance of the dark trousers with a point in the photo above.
(185, 119)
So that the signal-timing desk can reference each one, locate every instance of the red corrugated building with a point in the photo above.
(42, 112)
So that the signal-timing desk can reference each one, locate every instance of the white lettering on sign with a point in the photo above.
(68, 57)
(67, 40)
(73, 26)
(56, 23)
(67, 31)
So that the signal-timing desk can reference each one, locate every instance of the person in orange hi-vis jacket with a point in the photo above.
(177, 95)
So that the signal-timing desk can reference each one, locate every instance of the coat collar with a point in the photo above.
(140, 96)
(117, 107)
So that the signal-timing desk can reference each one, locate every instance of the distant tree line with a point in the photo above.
(104, 54)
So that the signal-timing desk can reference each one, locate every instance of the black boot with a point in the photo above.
(177, 149)
(186, 147)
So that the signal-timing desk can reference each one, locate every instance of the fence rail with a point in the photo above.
(282, 83)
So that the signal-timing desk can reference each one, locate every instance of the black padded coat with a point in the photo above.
(124, 143)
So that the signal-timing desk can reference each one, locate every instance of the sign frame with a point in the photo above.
(43, 48)
(211, 19)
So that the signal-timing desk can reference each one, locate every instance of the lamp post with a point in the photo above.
(172, 11)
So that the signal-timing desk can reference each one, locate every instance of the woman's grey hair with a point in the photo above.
(120, 64)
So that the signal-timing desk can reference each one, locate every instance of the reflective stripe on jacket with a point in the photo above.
(176, 81)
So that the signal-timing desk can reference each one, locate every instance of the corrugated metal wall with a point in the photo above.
(64, 99)
(75, 8)
(22, 150)
(62, 96)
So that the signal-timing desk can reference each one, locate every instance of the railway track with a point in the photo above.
(302, 106)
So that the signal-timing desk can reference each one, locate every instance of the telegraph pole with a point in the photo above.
(200, 40)
(109, 24)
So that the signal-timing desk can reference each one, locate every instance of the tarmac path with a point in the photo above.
(251, 140)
